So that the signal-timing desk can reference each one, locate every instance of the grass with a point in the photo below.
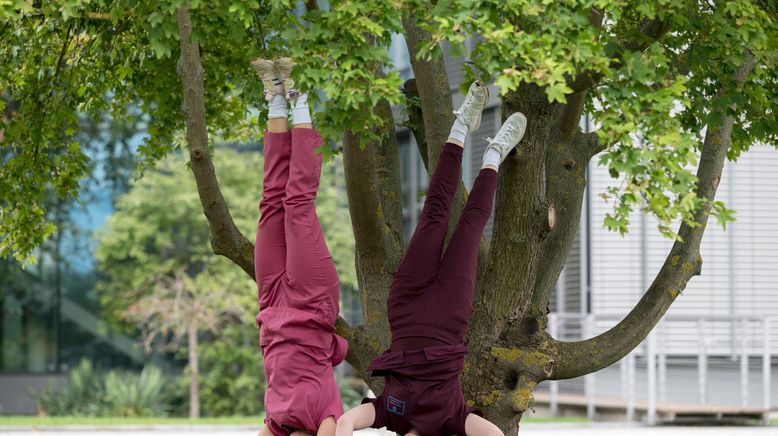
(57, 421)
(25, 421)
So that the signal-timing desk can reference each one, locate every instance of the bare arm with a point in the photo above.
(477, 426)
(356, 419)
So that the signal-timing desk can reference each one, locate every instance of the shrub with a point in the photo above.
(116, 393)
(129, 395)
(81, 395)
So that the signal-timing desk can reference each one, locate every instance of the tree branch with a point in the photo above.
(566, 166)
(682, 263)
(433, 90)
(570, 118)
(226, 239)
(377, 251)
(416, 118)
(434, 94)
(387, 158)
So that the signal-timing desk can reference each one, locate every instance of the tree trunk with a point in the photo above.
(538, 207)
(194, 372)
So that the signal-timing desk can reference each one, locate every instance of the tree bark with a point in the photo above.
(194, 371)
(378, 250)
(566, 174)
(387, 157)
(415, 118)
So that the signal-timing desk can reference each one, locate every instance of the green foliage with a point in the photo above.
(340, 52)
(130, 396)
(82, 395)
(91, 393)
(157, 240)
(655, 97)
(63, 58)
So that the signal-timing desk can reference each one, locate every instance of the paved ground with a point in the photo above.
(527, 429)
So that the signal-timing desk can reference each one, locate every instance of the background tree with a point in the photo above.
(694, 81)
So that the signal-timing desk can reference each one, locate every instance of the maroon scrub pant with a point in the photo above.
(298, 289)
(431, 297)
(290, 250)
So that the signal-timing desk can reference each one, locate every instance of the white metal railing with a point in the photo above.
(678, 338)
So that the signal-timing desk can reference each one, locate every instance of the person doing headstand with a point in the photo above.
(298, 286)
(431, 297)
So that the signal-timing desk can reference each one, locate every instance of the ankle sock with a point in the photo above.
(301, 113)
(491, 157)
(458, 131)
(277, 107)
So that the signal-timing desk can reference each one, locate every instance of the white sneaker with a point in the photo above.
(284, 70)
(510, 134)
(266, 70)
(476, 99)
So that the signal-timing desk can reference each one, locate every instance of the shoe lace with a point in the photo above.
(469, 102)
(510, 130)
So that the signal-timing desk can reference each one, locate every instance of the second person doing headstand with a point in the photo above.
(431, 297)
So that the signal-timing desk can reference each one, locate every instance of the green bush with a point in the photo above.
(82, 395)
(143, 395)
(116, 393)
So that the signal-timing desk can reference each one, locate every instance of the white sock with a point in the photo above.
(492, 157)
(277, 107)
(301, 113)
(458, 131)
